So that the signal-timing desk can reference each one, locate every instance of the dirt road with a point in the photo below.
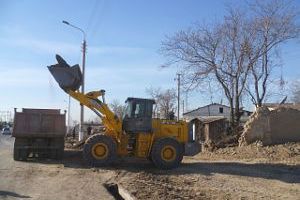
(214, 180)
(68, 179)
(201, 177)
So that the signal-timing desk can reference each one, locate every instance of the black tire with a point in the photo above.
(167, 145)
(107, 147)
(149, 158)
(60, 154)
(51, 153)
(59, 144)
(56, 154)
(16, 154)
(20, 151)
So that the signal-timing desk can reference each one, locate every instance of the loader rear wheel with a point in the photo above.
(167, 153)
(99, 150)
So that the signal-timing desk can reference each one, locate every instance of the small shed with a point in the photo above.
(214, 128)
(209, 128)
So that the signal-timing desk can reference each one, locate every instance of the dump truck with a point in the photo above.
(137, 133)
(39, 133)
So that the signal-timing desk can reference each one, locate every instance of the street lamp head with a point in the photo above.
(65, 22)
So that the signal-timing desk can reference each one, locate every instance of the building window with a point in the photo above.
(220, 110)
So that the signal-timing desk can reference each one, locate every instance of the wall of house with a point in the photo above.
(214, 110)
(285, 126)
(210, 110)
(272, 127)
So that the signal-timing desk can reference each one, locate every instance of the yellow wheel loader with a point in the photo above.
(163, 141)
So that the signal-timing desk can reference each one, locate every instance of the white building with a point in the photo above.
(214, 110)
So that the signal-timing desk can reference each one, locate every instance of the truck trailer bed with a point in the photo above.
(39, 133)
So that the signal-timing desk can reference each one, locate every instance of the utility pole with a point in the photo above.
(186, 101)
(82, 90)
(83, 76)
(69, 114)
(178, 95)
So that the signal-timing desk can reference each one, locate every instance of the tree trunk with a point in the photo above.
(237, 113)
(231, 113)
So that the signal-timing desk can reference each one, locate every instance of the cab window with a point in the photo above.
(138, 109)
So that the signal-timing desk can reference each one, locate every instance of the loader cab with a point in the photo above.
(138, 115)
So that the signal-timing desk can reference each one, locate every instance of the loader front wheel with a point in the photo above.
(167, 153)
(99, 150)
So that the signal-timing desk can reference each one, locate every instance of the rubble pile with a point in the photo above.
(256, 127)
(145, 185)
(282, 153)
(73, 143)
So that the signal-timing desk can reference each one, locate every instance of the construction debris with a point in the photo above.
(276, 126)
(145, 185)
(72, 143)
(288, 153)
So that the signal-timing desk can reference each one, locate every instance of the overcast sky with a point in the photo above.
(123, 40)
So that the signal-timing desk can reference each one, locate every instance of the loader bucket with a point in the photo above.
(67, 77)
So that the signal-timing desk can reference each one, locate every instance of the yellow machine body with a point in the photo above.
(160, 127)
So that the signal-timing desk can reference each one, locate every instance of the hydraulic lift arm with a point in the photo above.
(70, 79)
(111, 121)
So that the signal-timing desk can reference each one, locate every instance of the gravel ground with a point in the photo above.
(250, 172)
(66, 179)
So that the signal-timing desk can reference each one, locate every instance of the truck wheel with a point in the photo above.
(16, 154)
(166, 153)
(99, 150)
(20, 151)
(60, 154)
(59, 144)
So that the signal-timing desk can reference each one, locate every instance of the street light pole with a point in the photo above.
(69, 114)
(83, 77)
(82, 90)
(178, 95)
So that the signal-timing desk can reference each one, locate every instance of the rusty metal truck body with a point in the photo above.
(39, 133)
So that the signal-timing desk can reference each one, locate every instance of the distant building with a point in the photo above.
(214, 110)
(5, 116)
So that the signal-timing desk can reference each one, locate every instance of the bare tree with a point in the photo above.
(118, 108)
(165, 101)
(274, 23)
(226, 52)
(219, 52)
